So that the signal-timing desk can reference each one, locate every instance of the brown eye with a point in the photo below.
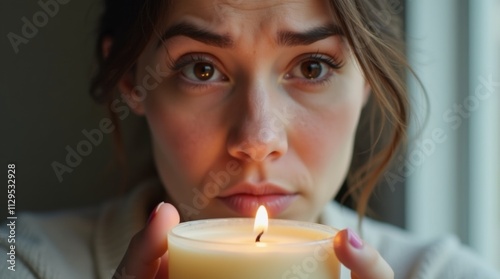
(203, 71)
(311, 69)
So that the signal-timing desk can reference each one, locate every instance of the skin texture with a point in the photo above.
(259, 118)
(259, 111)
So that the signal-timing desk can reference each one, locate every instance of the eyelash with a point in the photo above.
(331, 61)
(185, 60)
(176, 66)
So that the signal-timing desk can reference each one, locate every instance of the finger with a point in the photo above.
(163, 269)
(362, 259)
(143, 256)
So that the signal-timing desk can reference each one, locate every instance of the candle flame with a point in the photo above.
(261, 220)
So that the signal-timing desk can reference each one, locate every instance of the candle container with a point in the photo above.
(227, 249)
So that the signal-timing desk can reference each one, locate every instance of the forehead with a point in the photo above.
(231, 16)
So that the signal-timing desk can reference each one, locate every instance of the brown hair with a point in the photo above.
(374, 32)
(371, 27)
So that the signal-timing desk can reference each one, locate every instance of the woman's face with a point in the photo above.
(250, 103)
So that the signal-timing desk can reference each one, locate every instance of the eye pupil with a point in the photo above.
(203, 71)
(311, 69)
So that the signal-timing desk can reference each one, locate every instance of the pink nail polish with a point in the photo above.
(354, 239)
(153, 214)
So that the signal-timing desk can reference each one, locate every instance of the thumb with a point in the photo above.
(362, 259)
(147, 248)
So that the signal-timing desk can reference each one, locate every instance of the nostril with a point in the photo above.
(243, 156)
(260, 153)
(252, 151)
(254, 141)
(274, 154)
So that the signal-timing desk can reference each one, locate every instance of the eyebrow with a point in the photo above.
(284, 38)
(289, 38)
(198, 34)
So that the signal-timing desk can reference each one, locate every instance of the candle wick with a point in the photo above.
(258, 237)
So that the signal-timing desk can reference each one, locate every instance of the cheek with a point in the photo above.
(327, 137)
(330, 140)
(183, 143)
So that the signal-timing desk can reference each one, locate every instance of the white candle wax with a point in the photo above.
(226, 249)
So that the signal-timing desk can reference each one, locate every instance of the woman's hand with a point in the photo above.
(363, 260)
(146, 256)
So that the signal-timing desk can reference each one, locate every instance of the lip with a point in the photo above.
(245, 198)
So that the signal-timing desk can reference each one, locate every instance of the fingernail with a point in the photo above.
(354, 239)
(153, 214)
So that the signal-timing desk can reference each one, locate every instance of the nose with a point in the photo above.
(258, 132)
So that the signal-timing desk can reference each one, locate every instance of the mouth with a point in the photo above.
(244, 199)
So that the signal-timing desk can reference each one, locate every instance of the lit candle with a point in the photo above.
(261, 222)
(232, 249)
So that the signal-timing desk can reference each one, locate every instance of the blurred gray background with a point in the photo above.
(45, 105)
